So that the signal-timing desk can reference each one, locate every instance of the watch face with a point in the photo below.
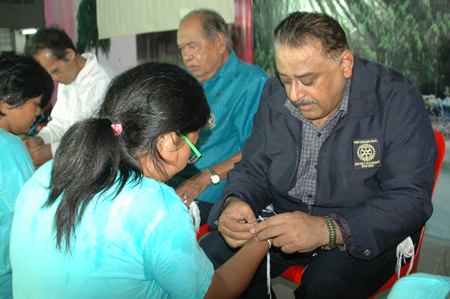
(215, 179)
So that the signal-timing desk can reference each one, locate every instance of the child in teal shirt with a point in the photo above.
(24, 85)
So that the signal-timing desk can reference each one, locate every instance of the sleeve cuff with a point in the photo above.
(345, 231)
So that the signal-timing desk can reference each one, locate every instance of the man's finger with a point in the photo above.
(239, 232)
(271, 232)
(289, 248)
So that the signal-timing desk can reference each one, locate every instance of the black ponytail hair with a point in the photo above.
(147, 101)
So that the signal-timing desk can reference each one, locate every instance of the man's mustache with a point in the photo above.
(302, 102)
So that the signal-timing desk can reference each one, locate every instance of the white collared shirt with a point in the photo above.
(77, 100)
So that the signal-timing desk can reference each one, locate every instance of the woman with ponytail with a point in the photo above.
(99, 222)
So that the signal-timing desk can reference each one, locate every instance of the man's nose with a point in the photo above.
(186, 54)
(297, 91)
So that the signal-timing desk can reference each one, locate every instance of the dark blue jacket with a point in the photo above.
(382, 189)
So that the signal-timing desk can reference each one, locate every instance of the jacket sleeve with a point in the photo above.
(405, 180)
(247, 180)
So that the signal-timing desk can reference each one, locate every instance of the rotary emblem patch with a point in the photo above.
(366, 153)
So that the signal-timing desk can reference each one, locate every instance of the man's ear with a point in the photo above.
(70, 55)
(221, 42)
(347, 60)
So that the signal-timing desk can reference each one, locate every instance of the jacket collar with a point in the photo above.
(227, 71)
(362, 101)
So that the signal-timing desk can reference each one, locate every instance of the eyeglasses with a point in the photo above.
(195, 152)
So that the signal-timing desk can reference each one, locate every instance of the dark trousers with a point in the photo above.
(329, 274)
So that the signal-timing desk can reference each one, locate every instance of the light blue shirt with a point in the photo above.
(421, 285)
(233, 95)
(15, 168)
(140, 244)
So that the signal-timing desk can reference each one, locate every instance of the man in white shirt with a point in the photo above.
(82, 82)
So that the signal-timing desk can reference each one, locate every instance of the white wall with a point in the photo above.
(119, 17)
(122, 55)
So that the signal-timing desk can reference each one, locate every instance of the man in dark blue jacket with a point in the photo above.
(343, 150)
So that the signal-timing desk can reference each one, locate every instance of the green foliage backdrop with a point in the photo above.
(411, 36)
(87, 29)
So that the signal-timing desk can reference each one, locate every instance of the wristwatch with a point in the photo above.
(215, 178)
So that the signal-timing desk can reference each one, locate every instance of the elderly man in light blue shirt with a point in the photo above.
(233, 89)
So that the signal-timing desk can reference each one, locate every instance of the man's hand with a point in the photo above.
(40, 154)
(193, 187)
(33, 142)
(235, 223)
(293, 231)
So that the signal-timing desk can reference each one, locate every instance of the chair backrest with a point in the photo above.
(440, 145)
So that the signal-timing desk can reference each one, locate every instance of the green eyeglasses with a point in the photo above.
(195, 152)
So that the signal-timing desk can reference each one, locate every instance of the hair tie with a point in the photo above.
(117, 129)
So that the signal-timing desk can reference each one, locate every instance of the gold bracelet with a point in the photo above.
(331, 233)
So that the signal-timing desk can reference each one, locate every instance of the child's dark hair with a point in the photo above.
(52, 38)
(21, 79)
(148, 101)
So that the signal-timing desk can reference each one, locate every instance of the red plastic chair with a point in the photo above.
(294, 273)
(203, 229)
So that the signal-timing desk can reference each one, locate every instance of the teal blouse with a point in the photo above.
(15, 168)
(140, 244)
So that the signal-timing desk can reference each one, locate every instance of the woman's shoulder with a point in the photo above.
(41, 177)
(149, 196)
(156, 193)
(149, 203)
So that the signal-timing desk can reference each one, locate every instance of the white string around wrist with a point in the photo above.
(267, 263)
(195, 213)
(268, 270)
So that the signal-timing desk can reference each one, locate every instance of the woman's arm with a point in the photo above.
(233, 277)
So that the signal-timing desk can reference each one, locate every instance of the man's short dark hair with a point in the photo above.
(212, 24)
(21, 79)
(51, 38)
(300, 28)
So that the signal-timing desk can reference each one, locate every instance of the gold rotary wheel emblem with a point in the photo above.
(366, 152)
